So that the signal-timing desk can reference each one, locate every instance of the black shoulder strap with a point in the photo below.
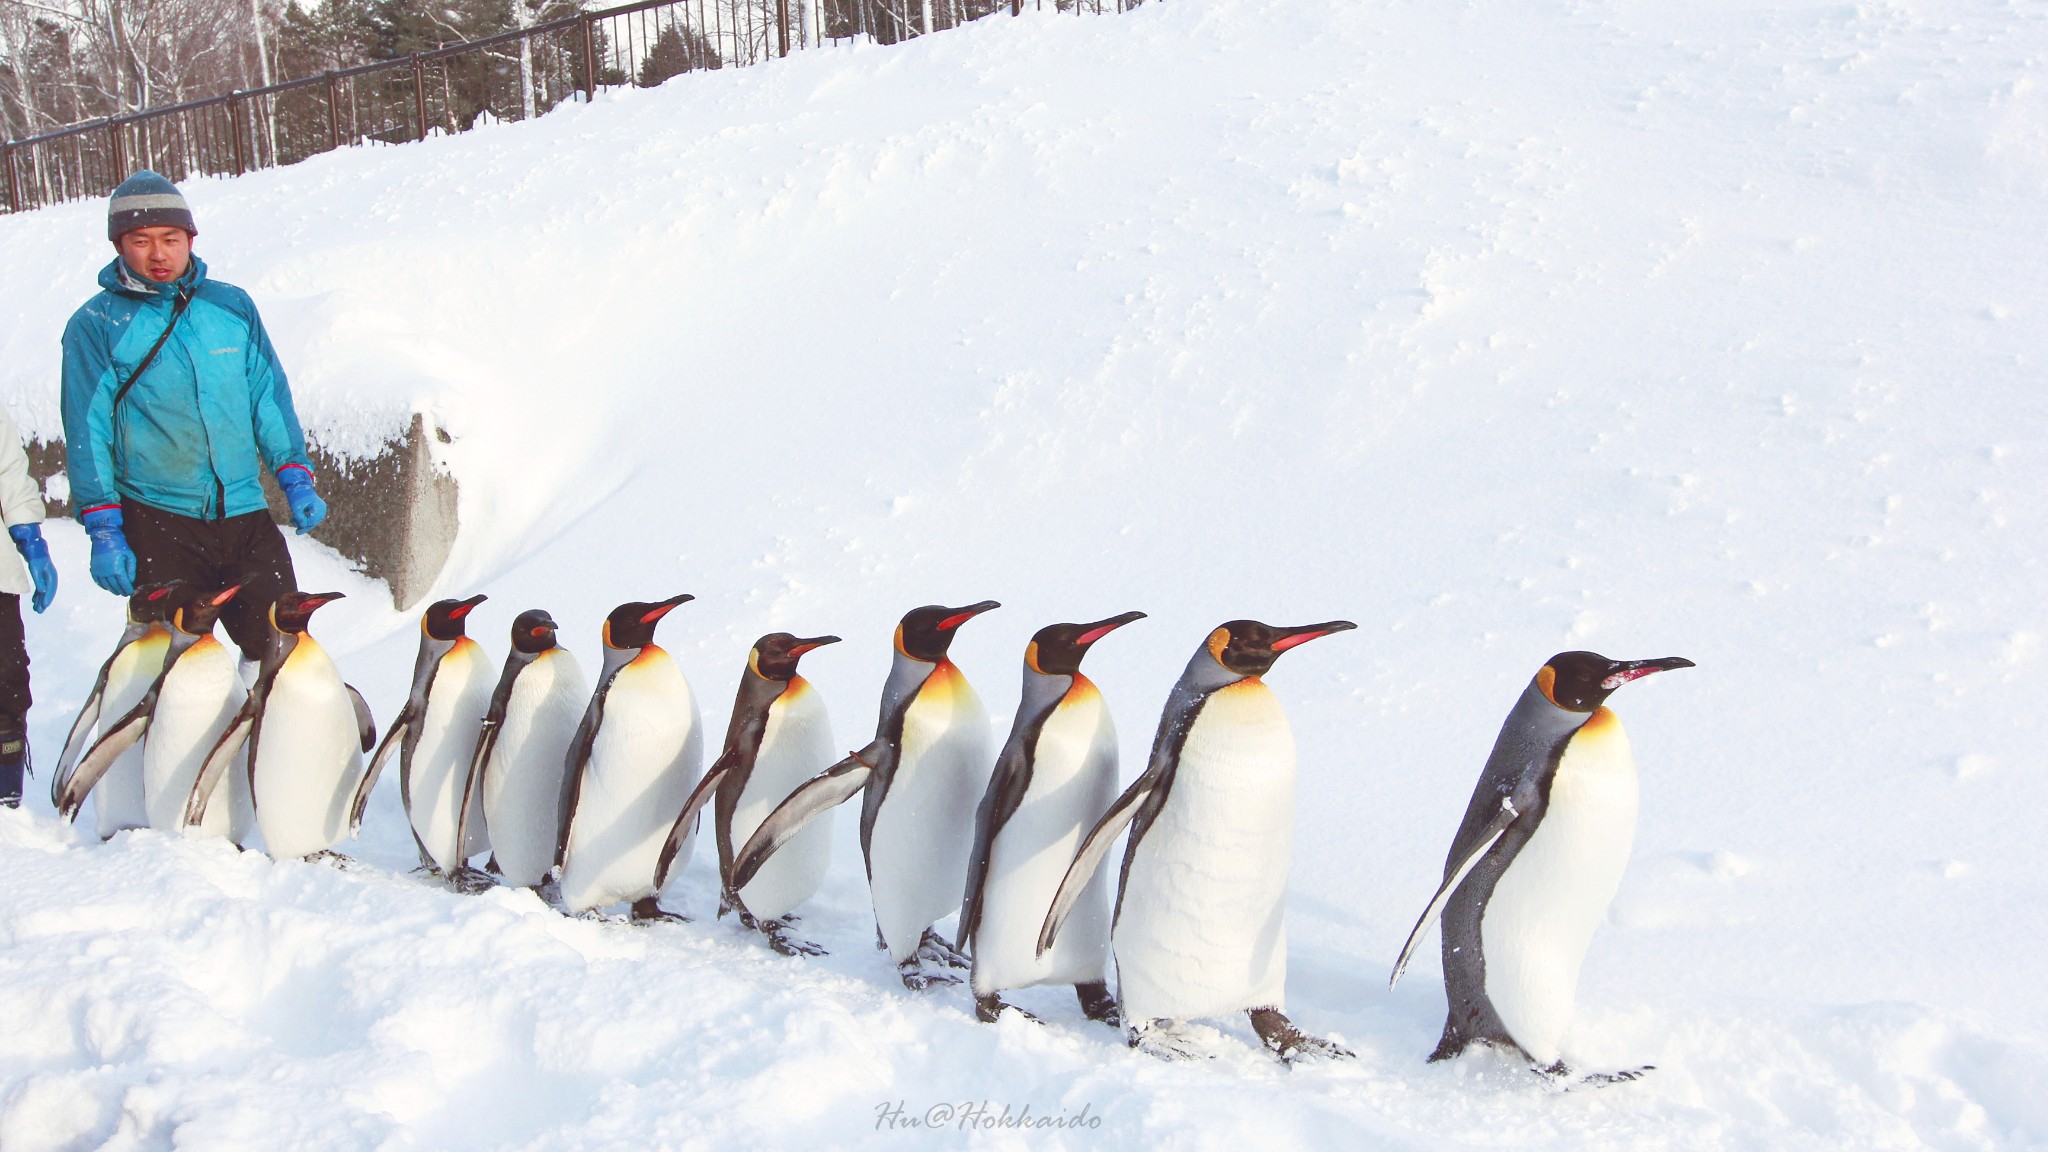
(184, 297)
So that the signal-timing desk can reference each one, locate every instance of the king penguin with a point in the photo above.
(1054, 778)
(126, 675)
(435, 738)
(523, 746)
(923, 773)
(1200, 927)
(1536, 862)
(306, 732)
(778, 738)
(182, 715)
(630, 766)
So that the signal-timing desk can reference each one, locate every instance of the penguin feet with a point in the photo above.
(918, 979)
(648, 910)
(1168, 1040)
(1562, 1075)
(1289, 1043)
(1098, 1005)
(934, 948)
(782, 940)
(470, 881)
(330, 857)
(989, 1006)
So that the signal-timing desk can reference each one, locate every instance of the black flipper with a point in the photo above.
(1006, 789)
(223, 755)
(393, 739)
(686, 821)
(822, 793)
(89, 715)
(1089, 856)
(1508, 815)
(366, 725)
(118, 739)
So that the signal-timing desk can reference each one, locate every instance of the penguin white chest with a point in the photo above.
(118, 798)
(439, 768)
(1553, 895)
(924, 829)
(200, 696)
(647, 754)
(308, 756)
(522, 785)
(1201, 929)
(795, 745)
(1073, 782)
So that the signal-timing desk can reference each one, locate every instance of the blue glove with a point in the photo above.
(113, 563)
(308, 509)
(28, 540)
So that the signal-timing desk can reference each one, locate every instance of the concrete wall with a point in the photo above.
(393, 513)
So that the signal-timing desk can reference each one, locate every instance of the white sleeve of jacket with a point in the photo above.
(21, 501)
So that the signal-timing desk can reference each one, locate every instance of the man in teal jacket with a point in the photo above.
(174, 406)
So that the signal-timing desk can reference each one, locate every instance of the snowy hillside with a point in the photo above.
(1498, 327)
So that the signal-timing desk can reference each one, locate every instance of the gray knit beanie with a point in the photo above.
(147, 200)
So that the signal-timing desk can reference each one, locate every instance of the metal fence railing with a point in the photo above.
(515, 75)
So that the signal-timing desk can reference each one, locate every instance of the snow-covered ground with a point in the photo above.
(1499, 327)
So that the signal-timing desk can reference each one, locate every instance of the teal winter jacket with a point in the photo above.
(200, 426)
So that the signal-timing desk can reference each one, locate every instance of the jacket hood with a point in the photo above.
(116, 277)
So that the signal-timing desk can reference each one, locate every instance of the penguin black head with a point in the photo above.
(294, 610)
(194, 612)
(152, 603)
(533, 632)
(1249, 648)
(927, 632)
(632, 625)
(1057, 648)
(1582, 681)
(443, 619)
(775, 655)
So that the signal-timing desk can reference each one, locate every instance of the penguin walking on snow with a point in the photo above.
(522, 748)
(924, 772)
(777, 740)
(187, 705)
(434, 737)
(1200, 928)
(630, 766)
(1536, 862)
(305, 732)
(123, 679)
(1054, 779)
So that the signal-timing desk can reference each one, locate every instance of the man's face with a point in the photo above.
(160, 254)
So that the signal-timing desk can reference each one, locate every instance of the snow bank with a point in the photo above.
(1498, 328)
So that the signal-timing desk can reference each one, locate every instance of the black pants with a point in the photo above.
(211, 555)
(14, 699)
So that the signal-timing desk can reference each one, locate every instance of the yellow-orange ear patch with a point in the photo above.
(754, 662)
(1218, 641)
(1031, 657)
(899, 639)
(1546, 683)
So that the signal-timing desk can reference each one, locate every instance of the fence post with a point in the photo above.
(119, 154)
(13, 182)
(235, 131)
(333, 114)
(1016, 7)
(782, 27)
(419, 93)
(589, 61)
